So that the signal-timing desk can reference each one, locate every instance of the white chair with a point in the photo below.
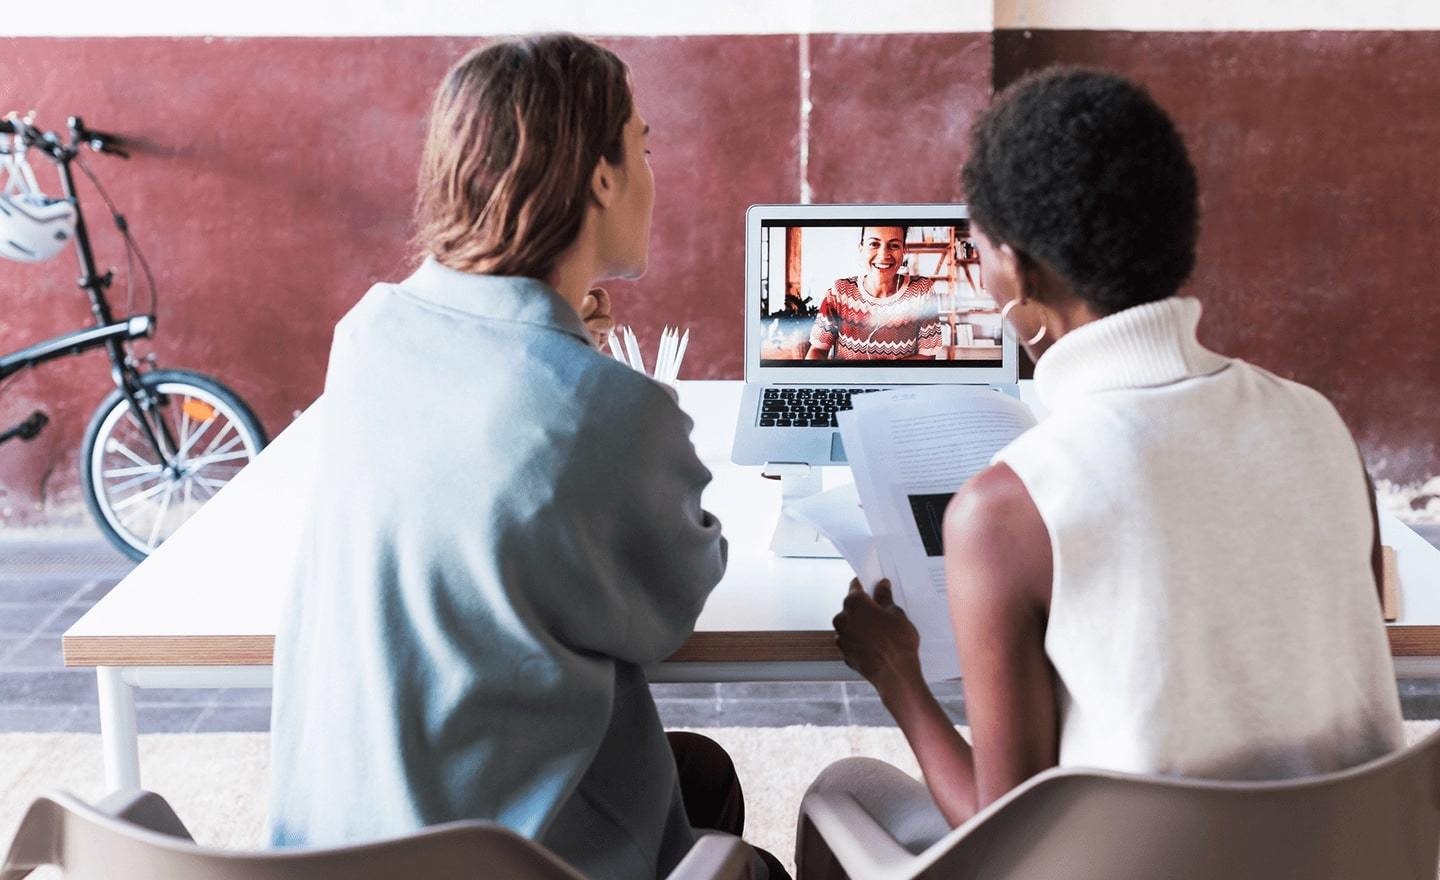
(136, 836)
(1378, 821)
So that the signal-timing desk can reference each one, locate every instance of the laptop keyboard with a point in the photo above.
(805, 407)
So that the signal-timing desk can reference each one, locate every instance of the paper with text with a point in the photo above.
(911, 450)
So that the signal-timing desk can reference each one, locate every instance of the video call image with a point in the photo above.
(884, 295)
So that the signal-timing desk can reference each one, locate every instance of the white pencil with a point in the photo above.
(679, 356)
(673, 364)
(632, 346)
(662, 357)
(615, 351)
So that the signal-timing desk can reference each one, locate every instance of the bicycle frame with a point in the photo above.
(134, 327)
(107, 333)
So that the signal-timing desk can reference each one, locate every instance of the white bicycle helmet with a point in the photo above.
(34, 227)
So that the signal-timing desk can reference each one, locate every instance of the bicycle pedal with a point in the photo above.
(32, 426)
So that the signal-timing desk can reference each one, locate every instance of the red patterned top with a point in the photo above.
(859, 326)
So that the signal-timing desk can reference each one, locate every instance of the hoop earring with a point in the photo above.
(1005, 313)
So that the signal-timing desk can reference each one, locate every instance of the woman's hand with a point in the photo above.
(595, 312)
(878, 640)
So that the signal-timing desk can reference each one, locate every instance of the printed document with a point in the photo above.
(911, 449)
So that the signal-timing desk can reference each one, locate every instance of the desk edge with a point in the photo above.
(711, 646)
(702, 647)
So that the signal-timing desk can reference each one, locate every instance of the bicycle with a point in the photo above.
(163, 441)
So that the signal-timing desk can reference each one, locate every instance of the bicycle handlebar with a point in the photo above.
(99, 141)
(50, 142)
(8, 126)
(103, 142)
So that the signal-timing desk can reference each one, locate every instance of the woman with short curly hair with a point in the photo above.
(1174, 572)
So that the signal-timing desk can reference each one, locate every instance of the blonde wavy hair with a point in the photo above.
(515, 133)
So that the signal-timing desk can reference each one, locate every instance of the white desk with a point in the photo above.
(204, 609)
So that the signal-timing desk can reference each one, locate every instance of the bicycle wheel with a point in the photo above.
(138, 497)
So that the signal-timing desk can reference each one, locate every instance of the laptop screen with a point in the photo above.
(892, 293)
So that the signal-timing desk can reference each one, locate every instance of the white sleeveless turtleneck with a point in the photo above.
(1213, 610)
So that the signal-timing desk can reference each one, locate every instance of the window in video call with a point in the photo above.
(897, 295)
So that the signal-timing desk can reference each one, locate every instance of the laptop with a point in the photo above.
(843, 300)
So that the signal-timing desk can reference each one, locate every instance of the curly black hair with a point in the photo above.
(1081, 170)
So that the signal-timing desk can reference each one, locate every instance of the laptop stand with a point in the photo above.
(793, 537)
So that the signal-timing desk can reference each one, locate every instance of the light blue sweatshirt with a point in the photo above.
(505, 528)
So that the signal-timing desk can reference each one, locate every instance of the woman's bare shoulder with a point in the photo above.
(994, 528)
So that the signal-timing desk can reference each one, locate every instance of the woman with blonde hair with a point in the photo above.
(492, 559)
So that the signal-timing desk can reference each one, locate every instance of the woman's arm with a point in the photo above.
(998, 568)
(826, 329)
(927, 334)
(880, 643)
(999, 571)
(612, 549)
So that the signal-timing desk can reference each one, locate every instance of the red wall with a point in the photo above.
(273, 179)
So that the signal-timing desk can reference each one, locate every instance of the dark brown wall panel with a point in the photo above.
(272, 184)
(1315, 154)
(891, 114)
(725, 131)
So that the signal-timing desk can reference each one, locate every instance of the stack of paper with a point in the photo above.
(911, 450)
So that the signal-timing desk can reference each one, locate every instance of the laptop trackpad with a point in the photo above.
(837, 447)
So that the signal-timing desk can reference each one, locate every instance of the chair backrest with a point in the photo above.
(1379, 821)
(119, 844)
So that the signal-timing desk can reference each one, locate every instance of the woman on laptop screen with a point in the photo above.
(879, 314)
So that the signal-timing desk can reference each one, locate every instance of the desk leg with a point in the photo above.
(119, 740)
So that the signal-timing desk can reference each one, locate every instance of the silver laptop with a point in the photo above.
(842, 300)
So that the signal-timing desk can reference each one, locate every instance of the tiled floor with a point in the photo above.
(46, 585)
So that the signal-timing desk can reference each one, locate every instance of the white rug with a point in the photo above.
(217, 781)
